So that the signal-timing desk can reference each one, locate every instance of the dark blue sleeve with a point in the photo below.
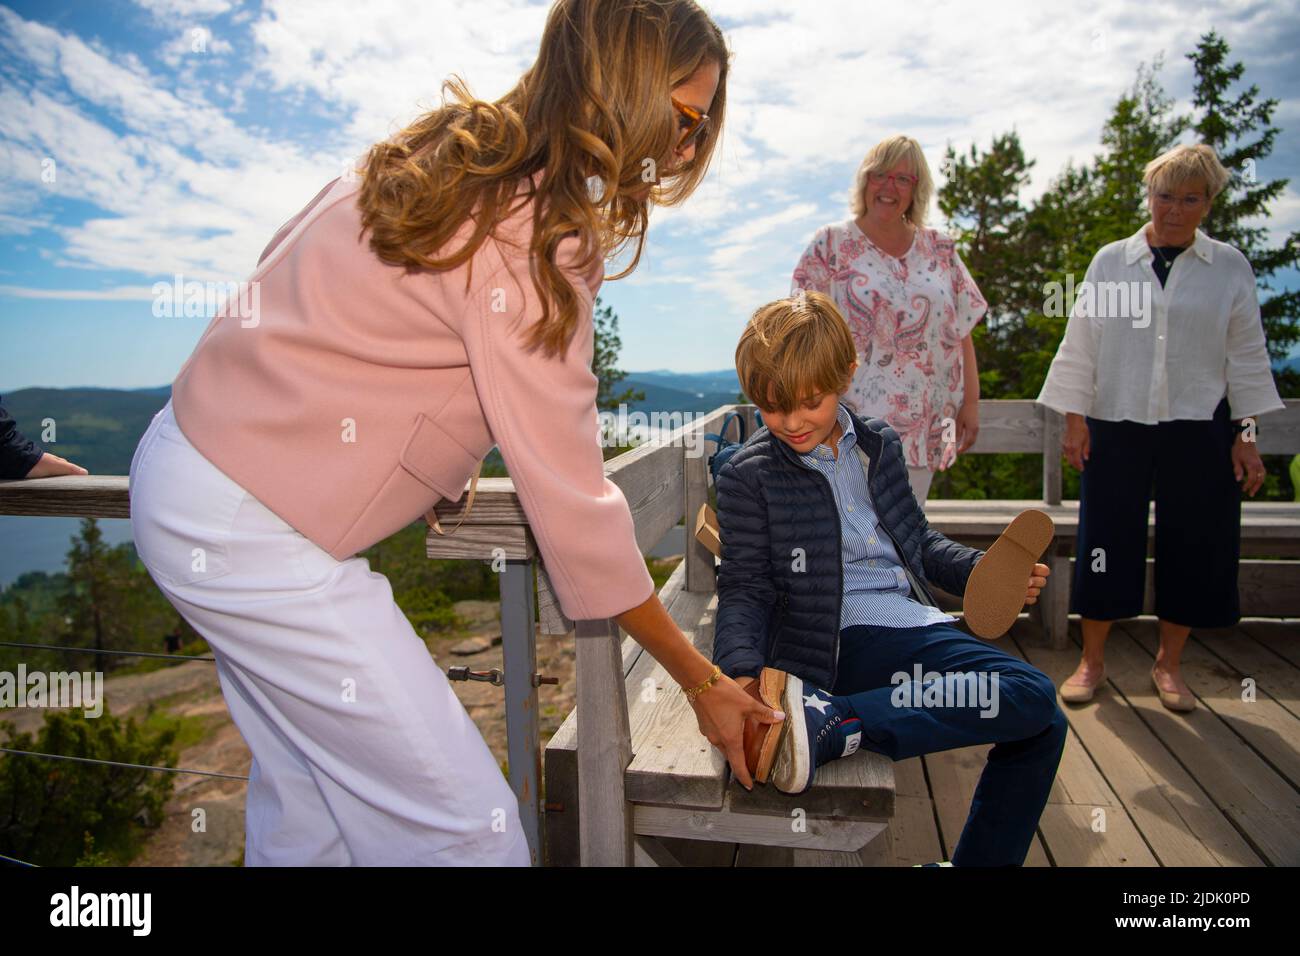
(18, 454)
(745, 591)
(947, 563)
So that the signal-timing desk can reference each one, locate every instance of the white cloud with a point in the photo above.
(118, 293)
(186, 9)
(183, 183)
(190, 44)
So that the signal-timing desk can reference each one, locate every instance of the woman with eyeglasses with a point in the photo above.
(910, 303)
(1160, 375)
(410, 320)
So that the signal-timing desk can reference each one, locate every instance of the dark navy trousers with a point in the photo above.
(904, 717)
(1197, 521)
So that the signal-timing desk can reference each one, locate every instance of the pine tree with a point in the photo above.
(980, 201)
(1239, 128)
(104, 601)
(1142, 125)
(603, 362)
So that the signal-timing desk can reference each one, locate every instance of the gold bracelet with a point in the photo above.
(694, 692)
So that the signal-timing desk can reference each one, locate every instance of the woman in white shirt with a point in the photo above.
(910, 303)
(1160, 375)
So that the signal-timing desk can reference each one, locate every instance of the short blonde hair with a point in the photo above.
(793, 349)
(1184, 163)
(884, 156)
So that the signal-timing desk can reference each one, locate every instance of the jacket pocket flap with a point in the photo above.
(437, 459)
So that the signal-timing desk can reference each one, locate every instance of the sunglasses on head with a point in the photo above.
(691, 122)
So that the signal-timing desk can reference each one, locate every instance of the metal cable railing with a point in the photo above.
(119, 763)
(95, 650)
(11, 861)
(115, 763)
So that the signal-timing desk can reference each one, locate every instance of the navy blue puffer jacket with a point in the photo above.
(777, 611)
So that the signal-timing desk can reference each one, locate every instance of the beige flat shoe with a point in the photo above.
(1073, 692)
(1178, 702)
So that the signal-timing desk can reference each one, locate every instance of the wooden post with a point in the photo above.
(1053, 429)
(1056, 596)
(604, 747)
(519, 654)
(701, 571)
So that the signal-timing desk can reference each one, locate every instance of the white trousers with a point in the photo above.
(920, 479)
(362, 753)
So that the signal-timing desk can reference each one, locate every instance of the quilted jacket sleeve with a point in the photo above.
(947, 563)
(745, 591)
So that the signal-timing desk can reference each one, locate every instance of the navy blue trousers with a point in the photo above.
(1198, 521)
(877, 674)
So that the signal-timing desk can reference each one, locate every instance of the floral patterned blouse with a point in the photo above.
(908, 317)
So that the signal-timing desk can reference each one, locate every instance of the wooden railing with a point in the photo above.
(663, 483)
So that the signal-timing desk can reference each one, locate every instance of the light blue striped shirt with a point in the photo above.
(876, 589)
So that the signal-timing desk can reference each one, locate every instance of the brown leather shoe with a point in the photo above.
(761, 740)
(996, 590)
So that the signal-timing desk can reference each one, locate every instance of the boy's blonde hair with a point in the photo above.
(794, 348)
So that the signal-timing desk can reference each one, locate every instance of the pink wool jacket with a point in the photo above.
(355, 396)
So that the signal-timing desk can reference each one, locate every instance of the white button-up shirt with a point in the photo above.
(1136, 351)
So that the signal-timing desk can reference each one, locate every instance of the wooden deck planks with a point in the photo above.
(1176, 819)
(1262, 805)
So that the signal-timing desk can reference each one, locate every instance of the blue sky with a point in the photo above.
(182, 133)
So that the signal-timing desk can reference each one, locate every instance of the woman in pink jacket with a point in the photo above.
(394, 331)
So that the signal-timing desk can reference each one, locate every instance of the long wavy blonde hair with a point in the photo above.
(594, 106)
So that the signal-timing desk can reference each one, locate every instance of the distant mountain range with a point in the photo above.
(668, 391)
(99, 428)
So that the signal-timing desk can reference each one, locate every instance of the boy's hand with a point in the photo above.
(1037, 581)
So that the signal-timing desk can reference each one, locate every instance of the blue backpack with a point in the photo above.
(728, 448)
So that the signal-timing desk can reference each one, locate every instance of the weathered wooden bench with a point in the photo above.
(678, 785)
(635, 769)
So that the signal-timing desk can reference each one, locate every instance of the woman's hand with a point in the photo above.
(968, 425)
(722, 708)
(1075, 443)
(722, 711)
(1037, 581)
(1247, 466)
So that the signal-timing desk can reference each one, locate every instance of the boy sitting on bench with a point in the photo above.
(824, 603)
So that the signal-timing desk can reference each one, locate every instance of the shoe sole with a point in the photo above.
(771, 687)
(995, 592)
(790, 772)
